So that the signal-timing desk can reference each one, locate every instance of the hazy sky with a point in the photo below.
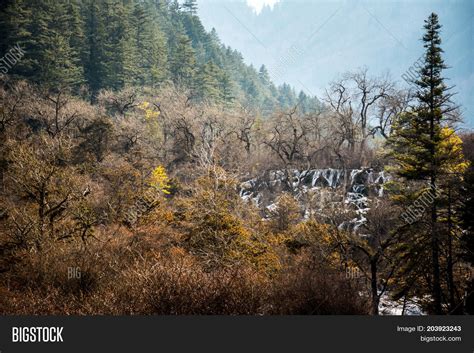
(309, 43)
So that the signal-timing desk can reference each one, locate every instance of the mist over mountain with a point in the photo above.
(332, 37)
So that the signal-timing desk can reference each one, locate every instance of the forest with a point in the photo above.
(145, 168)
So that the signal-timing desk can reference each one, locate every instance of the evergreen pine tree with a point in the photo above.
(15, 27)
(150, 46)
(76, 33)
(121, 64)
(264, 76)
(58, 64)
(182, 61)
(418, 156)
(42, 29)
(95, 57)
(208, 85)
(227, 88)
(190, 6)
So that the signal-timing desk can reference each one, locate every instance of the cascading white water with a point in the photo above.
(363, 184)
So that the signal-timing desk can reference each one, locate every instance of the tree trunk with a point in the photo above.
(449, 269)
(435, 252)
(373, 284)
(434, 217)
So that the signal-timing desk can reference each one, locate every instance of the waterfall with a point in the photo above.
(364, 184)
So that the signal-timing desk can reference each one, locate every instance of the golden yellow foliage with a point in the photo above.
(210, 218)
(450, 151)
(149, 113)
(159, 180)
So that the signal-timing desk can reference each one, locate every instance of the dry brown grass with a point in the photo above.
(125, 276)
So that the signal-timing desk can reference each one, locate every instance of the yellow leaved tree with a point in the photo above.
(150, 112)
(159, 180)
(449, 152)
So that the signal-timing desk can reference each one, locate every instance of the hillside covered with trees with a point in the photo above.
(146, 169)
(87, 46)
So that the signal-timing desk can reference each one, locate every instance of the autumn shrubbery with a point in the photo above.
(91, 222)
(179, 261)
(120, 279)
